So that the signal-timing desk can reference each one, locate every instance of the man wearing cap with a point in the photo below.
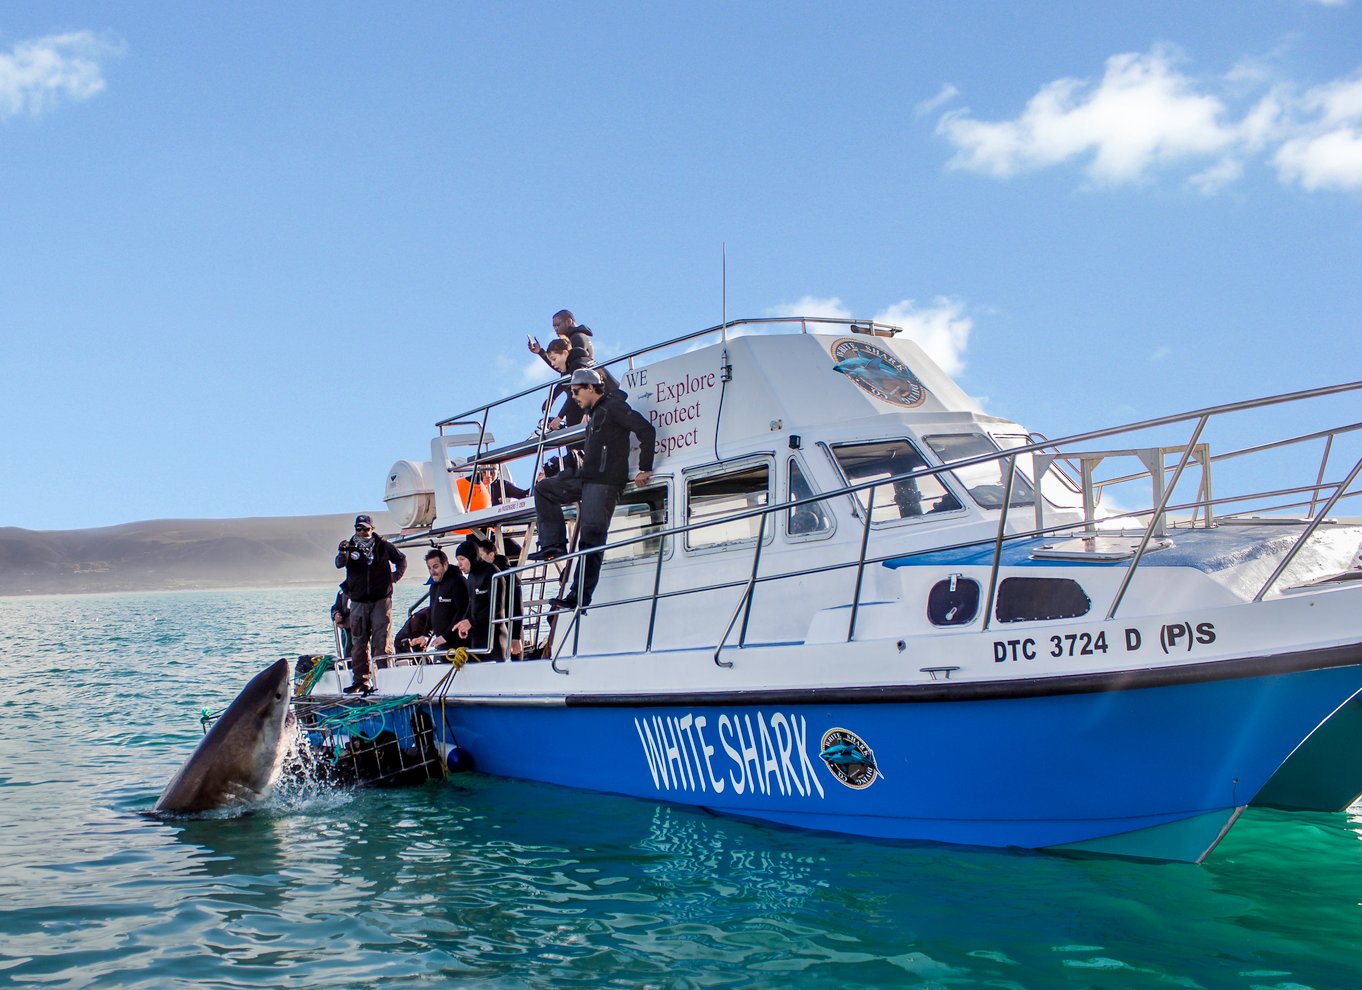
(597, 484)
(372, 565)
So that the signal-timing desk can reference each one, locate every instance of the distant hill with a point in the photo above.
(166, 554)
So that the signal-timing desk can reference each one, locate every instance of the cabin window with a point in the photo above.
(805, 520)
(987, 481)
(1059, 489)
(712, 498)
(638, 512)
(1026, 599)
(903, 499)
(953, 601)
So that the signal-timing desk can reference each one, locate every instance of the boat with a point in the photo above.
(851, 600)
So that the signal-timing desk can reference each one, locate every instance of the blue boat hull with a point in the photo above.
(1158, 772)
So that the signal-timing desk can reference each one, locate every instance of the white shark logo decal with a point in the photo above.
(878, 372)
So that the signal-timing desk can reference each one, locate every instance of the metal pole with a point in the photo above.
(752, 583)
(1159, 511)
(1314, 524)
(860, 565)
(998, 540)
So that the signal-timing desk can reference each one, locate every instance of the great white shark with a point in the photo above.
(239, 759)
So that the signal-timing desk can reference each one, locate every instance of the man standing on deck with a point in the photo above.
(372, 565)
(597, 484)
(449, 601)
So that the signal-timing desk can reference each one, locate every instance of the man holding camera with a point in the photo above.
(372, 565)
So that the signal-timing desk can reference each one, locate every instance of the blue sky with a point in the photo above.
(251, 252)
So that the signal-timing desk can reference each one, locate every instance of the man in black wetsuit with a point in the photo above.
(372, 565)
(449, 621)
(597, 484)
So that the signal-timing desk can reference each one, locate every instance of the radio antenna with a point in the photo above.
(723, 283)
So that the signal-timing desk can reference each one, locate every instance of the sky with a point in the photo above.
(251, 253)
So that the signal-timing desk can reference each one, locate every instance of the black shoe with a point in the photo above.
(567, 604)
(358, 688)
(547, 554)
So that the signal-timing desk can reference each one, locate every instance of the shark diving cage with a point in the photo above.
(1048, 496)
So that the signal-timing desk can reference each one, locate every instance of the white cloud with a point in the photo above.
(37, 75)
(943, 96)
(1326, 151)
(1330, 161)
(942, 330)
(1144, 111)
(1148, 114)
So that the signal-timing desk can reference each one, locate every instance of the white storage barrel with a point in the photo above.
(409, 494)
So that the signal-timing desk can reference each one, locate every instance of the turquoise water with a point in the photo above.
(487, 883)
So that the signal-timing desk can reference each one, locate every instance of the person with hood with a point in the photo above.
(565, 326)
(488, 554)
(596, 484)
(481, 606)
(372, 566)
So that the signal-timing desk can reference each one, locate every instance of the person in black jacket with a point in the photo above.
(372, 565)
(449, 621)
(481, 607)
(509, 601)
(597, 483)
(565, 360)
(498, 487)
(565, 326)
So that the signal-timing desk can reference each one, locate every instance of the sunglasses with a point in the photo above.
(364, 529)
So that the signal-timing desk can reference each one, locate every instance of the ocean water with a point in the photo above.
(490, 883)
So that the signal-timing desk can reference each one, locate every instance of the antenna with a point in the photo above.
(723, 282)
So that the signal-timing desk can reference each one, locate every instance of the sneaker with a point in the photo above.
(547, 554)
(568, 603)
(360, 688)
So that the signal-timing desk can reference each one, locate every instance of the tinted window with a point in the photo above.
(901, 499)
(1026, 599)
(716, 496)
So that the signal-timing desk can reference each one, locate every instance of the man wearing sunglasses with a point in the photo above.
(372, 565)
(596, 484)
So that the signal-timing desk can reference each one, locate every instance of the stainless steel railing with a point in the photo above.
(1323, 497)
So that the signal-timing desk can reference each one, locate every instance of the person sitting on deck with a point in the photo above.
(498, 487)
(567, 360)
(596, 483)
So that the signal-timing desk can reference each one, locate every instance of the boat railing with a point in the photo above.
(721, 330)
(477, 420)
(1203, 510)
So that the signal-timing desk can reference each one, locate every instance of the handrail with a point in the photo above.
(1008, 456)
(720, 328)
(744, 605)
